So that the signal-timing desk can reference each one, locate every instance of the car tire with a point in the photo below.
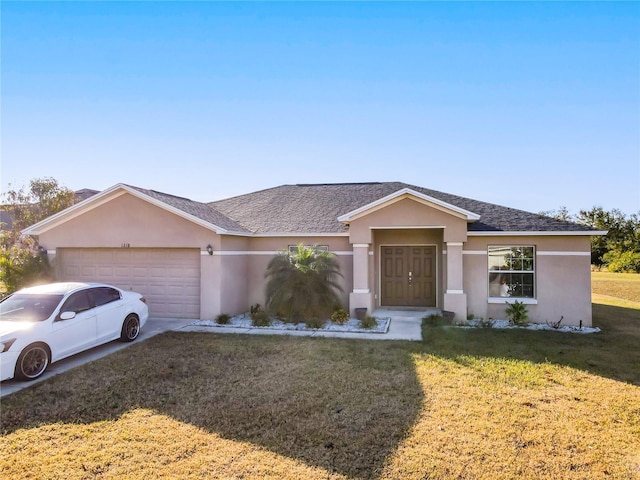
(32, 362)
(130, 328)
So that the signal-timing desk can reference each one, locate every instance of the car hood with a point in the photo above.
(8, 328)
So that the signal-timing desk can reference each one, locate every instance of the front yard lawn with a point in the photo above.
(461, 404)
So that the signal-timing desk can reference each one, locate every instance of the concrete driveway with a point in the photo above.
(153, 327)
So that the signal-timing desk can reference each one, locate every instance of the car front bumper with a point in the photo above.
(8, 364)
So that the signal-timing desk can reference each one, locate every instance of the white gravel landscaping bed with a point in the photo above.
(475, 323)
(351, 326)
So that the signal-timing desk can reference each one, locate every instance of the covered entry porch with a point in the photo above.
(407, 252)
(409, 270)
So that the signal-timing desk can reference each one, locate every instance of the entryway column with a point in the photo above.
(455, 300)
(361, 296)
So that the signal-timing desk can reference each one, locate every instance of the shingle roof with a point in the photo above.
(315, 208)
(199, 210)
(6, 220)
(84, 193)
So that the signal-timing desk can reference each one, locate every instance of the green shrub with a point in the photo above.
(517, 313)
(340, 316)
(624, 262)
(223, 319)
(368, 322)
(485, 323)
(23, 265)
(435, 320)
(253, 310)
(315, 323)
(23, 262)
(259, 318)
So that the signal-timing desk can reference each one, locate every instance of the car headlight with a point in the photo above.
(6, 344)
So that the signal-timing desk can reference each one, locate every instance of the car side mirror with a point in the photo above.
(67, 315)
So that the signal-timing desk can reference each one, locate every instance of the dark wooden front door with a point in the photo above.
(409, 276)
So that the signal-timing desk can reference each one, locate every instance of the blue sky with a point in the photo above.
(530, 105)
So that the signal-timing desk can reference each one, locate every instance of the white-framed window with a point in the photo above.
(512, 271)
(294, 248)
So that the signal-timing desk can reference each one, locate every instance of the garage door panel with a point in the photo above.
(106, 271)
(157, 290)
(192, 291)
(140, 272)
(90, 271)
(175, 290)
(158, 271)
(172, 272)
(168, 278)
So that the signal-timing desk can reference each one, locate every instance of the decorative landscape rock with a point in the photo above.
(352, 325)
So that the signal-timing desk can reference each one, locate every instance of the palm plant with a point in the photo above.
(303, 285)
(517, 313)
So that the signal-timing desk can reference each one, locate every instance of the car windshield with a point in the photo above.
(28, 308)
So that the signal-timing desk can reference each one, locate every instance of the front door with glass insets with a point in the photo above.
(408, 276)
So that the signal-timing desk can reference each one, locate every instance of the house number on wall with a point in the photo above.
(125, 245)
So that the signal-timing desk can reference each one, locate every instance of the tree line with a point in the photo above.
(619, 249)
(22, 261)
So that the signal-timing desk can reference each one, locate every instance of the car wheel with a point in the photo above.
(32, 362)
(130, 328)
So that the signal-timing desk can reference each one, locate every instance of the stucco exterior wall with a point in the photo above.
(256, 254)
(562, 275)
(233, 288)
(210, 287)
(129, 220)
(407, 213)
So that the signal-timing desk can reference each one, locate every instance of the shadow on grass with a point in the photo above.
(612, 353)
(344, 406)
(341, 405)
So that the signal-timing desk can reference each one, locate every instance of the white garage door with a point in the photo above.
(168, 278)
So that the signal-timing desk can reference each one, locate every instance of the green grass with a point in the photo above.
(479, 403)
(618, 286)
(612, 353)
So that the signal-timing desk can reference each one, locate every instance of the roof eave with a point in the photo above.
(298, 234)
(521, 233)
(106, 196)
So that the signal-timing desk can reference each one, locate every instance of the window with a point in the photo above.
(512, 271)
(294, 248)
(30, 308)
(78, 302)
(104, 295)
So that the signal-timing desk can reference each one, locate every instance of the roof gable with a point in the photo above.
(199, 213)
(405, 193)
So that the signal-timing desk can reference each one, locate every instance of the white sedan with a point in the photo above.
(44, 324)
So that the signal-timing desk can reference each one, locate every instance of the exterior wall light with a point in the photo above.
(209, 249)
